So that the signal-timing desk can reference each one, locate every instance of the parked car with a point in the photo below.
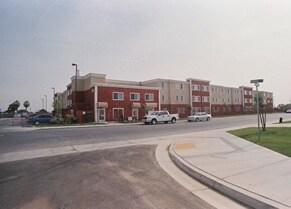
(40, 119)
(199, 116)
(160, 116)
(288, 111)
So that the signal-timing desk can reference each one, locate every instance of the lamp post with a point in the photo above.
(45, 102)
(75, 102)
(42, 103)
(256, 83)
(54, 92)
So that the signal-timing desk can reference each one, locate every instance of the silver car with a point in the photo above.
(199, 116)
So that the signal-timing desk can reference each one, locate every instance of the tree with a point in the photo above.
(55, 106)
(262, 112)
(26, 104)
(14, 106)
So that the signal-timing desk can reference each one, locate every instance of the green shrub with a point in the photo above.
(69, 119)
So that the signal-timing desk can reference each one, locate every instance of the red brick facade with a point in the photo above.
(123, 108)
(200, 96)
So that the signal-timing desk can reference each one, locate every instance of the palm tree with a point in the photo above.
(26, 104)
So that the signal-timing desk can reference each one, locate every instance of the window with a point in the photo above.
(205, 88)
(118, 114)
(207, 109)
(196, 109)
(149, 97)
(181, 110)
(117, 96)
(163, 85)
(163, 98)
(205, 99)
(196, 87)
(179, 86)
(196, 98)
(181, 98)
(135, 96)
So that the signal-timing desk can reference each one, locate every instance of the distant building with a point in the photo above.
(101, 99)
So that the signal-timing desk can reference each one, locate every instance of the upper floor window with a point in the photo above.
(205, 99)
(196, 98)
(117, 96)
(149, 97)
(135, 96)
(179, 86)
(180, 98)
(196, 87)
(205, 88)
(163, 98)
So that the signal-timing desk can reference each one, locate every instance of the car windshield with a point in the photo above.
(154, 113)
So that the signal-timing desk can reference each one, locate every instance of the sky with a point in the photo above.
(228, 42)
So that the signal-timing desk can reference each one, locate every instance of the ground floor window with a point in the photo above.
(207, 109)
(181, 110)
(196, 109)
(118, 114)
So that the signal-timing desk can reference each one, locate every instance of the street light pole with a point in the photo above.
(256, 83)
(42, 103)
(54, 92)
(45, 102)
(75, 102)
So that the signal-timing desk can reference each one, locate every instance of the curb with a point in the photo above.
(237, 193)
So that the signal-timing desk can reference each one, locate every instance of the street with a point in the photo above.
(115, 178)
(25, 139)
(123, 177)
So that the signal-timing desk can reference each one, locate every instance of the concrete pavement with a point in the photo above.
(251, 174)
(246, 172)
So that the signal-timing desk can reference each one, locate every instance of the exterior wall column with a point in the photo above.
(190, 94)
(95, 103)
(159, 99)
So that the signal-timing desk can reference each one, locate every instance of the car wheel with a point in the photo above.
(173, 120)
(208, 119)
(154, 121)
(36, 123)
(197, 119)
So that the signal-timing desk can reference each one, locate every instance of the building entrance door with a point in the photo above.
(135, 114)
(101, 115)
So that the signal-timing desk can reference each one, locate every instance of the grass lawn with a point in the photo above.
(277, 139)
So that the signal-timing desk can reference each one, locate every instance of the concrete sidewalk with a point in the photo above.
(251, 174)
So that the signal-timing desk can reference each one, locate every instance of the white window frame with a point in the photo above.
(196, 87)
(138, 96)
(179, 86)
(205, 99)
(205, 88)
(181, 110)
(119, 99)
(196, 99)
(151, 97)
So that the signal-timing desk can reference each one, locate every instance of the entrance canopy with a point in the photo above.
(102, 105)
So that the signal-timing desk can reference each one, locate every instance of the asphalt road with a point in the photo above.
(126, 178)
(12, 141)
